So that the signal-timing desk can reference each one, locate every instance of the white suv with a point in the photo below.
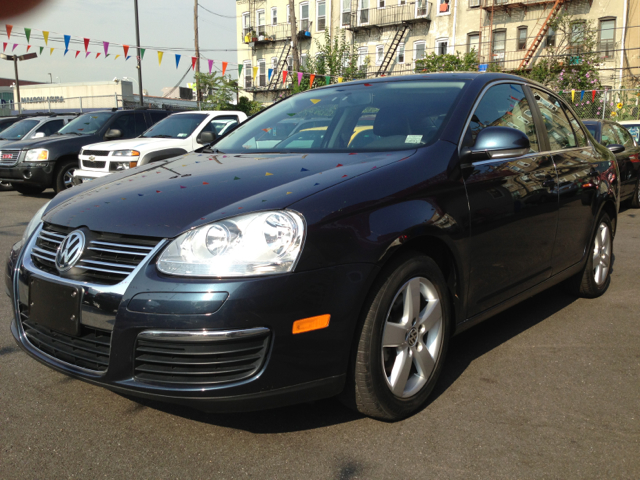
(175, 135)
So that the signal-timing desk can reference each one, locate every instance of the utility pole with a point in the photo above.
(294, 37)
(195, 27)
(14, 59)
(139, 66)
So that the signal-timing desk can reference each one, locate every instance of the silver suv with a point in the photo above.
(36, 126)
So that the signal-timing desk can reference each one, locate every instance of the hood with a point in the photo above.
(44, 142)
(145, 144)
(165, 198)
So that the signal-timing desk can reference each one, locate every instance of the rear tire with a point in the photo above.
(402, 341)
(27, 189)
(5, 186)
(63, 176)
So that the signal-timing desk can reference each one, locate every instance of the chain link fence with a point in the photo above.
(614, 105)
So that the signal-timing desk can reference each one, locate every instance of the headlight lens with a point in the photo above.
(264, 243)
(37, 155)
(34, 222)
(126, 153)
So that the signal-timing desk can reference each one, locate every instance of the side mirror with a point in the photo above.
(112, 133)
(616, 148)
(39, 135)
(206, 138)
(496, 142)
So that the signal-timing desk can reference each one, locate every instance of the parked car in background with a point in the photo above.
(633, 126)
(249, 275)
(627, 151)
(6, 122)
(34, 165)
(177, 134)
(34, 127)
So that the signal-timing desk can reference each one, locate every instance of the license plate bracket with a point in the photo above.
(55, 306)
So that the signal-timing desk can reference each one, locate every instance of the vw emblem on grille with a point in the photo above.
(70, 250)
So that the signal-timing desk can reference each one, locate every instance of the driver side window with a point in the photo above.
(126, 124)
(503, 105)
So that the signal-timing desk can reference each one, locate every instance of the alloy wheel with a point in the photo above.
(601, 254)
(412, 337)
(67, 178)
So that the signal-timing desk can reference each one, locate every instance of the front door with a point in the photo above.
(513, 206)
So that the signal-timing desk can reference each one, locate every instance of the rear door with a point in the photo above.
(50, 127)
(513, 205)
(629, 159)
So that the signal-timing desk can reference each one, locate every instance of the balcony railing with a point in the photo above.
(266, 33)
(360, 19)
(509, 4)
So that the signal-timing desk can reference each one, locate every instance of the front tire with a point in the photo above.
(403, 340)
(63, 178)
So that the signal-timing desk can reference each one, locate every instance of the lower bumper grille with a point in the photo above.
(90, 350)
(93, 164)
(200, 361)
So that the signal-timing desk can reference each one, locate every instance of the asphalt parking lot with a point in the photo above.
(547, 389)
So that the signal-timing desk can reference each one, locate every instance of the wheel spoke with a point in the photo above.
(431, 315)
(411, 298)
(400, 372)
(424, 361)
(394, 334)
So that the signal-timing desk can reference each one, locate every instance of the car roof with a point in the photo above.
(629, 122)
(208, 112)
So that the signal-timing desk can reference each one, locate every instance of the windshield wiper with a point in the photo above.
(72, 133)
(161, 136)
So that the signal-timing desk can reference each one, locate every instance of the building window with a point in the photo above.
(522, 38)
(262, 73)
(346, 13)
(274, 66)
(402, 2)
(419, 50)
(288, 14)
(498, 46)
(274, 15)
(248, 74)
(379, 54)
(381, 3)
(303, 61)
(473, 42)
(364, 12)
(400, 53)
(304, 16)
(551, 37)
(576, 38)
(421, 8)
(321, 15)
(289, 64)
(246, 26)
(444, 7)
(474, 3)
(362, 56)
(261, 22)
(606, 35)
(442, 46)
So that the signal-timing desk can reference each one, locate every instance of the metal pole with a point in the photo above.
(116, 96)
(604, 104)
(81, 105)
(139, 66)
(15, 66)
(195, 26)
(49, 102)
(294, 37)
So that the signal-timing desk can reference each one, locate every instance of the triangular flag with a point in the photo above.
(593, 95)
(127, 58)
(27, 33)
(573, 95)
(86, 44)
(177, 59)
(210, 62)
(4, 46)
(160, 54)
(116, 57)
(28, 47)
(107, 55)
(126, 50)
(270, 71)
(77, 53)
(239, 70)
(142, 50)
(311, 79)
(255, 72)
(66, 50)
(106, 48)
(14, 46)
(9, 28)
(87, 54)
(51, 51)
(284, 76)
(299, 77)
(339, 79)
(46, 37)
(193, 62)
(224, 67)
(41, 49)
(581, 95)
(66, 41)
(327, 79)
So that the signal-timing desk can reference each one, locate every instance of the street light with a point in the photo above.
(50, 78)
(14, 59)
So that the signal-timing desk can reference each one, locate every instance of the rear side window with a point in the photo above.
(504, 105)
(141, 124)
(577, 129)
(50, 127)
(559, 130)
(609, 136)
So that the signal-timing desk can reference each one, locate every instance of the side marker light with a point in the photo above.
(311, 323)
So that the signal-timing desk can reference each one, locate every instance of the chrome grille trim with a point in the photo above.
(9, 162)
(109, 264)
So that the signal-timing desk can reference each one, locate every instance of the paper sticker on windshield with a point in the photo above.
(413, 139)
(182, 135)
(315, 100)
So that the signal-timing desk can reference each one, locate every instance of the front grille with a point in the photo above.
(8, 158)
(90, 350)
(107, 258)
(96, 153)
(199, 363)
(92, 164)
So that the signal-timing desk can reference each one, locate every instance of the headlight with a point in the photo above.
(126, 153)
(263, 243)
(34, 223)
(36, 155)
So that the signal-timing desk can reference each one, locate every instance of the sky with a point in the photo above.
(163, 24)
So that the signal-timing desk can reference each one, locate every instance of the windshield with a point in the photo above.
(86, 124)
(19, 130)
(176, 126)
(384, 116)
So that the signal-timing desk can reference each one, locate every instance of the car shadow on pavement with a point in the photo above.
(463, 350)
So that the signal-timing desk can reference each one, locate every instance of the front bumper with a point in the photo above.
(297, 368)
(33, 173)
(83, 176)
